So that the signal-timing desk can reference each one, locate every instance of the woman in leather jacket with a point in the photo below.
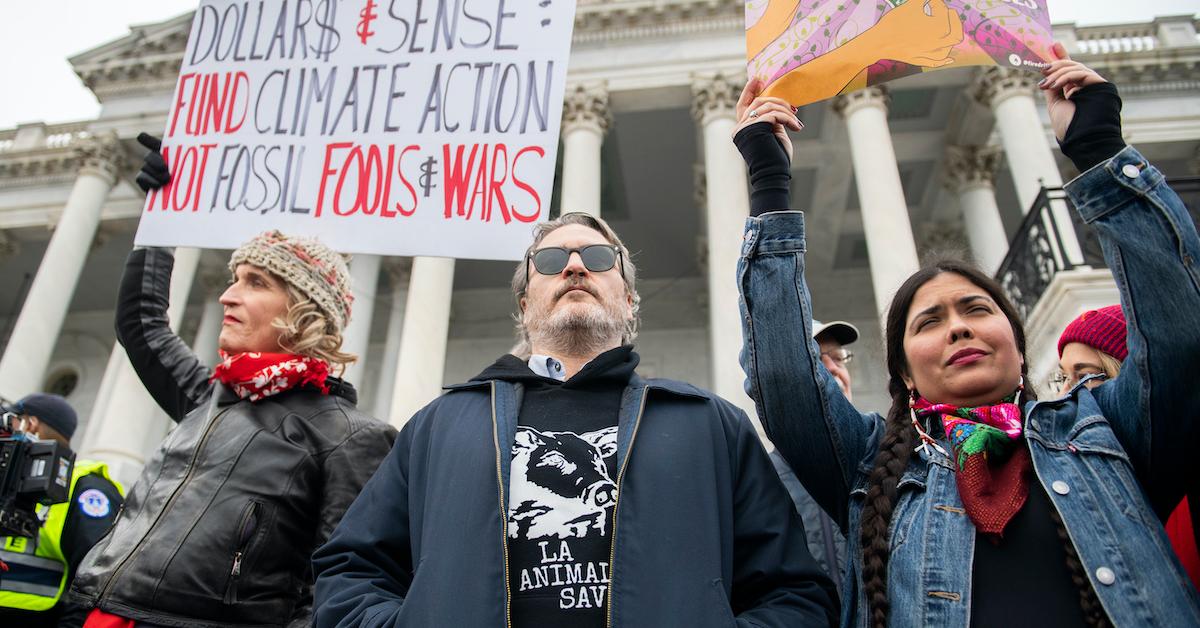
(971, 502)
(268, 453)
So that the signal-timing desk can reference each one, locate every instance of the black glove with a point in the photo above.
(154, 173)
(1094, 134)
(770, 168)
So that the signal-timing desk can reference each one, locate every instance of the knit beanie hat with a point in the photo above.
(305, 264)
(1102, 329)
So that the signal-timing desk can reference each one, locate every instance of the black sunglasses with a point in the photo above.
(596, 258)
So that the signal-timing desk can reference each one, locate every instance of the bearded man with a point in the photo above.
(559, 488)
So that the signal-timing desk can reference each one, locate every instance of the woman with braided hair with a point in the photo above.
(971, 502)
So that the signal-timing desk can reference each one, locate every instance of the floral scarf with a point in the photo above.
(255, 376)
(993, 463)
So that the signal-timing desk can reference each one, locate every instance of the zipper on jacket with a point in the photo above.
(246, 530)
(503, 512)
(174, 494)
(612, 552)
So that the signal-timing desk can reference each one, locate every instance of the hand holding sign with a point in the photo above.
(1063, 78)
(154, 173)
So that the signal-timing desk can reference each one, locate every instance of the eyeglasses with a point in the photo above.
(1060, 380)
(839, 356)
(596, 258)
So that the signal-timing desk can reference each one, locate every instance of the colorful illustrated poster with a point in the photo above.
(810, 50)
(385, 127)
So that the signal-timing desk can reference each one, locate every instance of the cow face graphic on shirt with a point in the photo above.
(560, 484)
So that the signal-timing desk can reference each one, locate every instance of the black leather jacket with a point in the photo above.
(219, 528)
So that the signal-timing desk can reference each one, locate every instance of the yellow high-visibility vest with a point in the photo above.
(37, 569)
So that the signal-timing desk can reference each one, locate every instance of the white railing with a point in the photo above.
(42, 136)
(1177, 31)
(1117, 38)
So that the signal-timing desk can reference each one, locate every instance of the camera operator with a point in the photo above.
(40, 569)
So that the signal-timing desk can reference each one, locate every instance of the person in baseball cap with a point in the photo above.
(833, 337)
(38, 571)
(47, 416)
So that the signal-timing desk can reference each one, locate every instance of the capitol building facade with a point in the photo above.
(959, 161)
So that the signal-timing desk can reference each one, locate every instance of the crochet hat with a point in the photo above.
(52, 410)
(307, 265)
(1102, 329)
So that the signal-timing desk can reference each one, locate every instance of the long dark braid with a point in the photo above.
(895, 451)
(899, 438)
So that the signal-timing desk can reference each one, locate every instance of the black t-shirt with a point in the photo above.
(562, 491)
(1024, 580)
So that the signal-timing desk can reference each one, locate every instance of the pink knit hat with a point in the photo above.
(1102, 330)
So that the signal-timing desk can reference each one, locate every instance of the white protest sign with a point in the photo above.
(399, 127)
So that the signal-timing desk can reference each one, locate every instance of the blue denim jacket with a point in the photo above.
(1113, 460)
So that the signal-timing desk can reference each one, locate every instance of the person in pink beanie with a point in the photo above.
(1094, 344)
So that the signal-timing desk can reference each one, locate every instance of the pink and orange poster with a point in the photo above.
(810, 50)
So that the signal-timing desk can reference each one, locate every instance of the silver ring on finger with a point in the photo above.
(754, 113)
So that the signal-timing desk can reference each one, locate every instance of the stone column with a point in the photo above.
(398, 272)
(126, 423)
(727, 204)
(970, 173)
(1009, 93)
(421, 365)
(585, 120)
(364, 280)
(40, 321)
(212, 315)
(890, 244)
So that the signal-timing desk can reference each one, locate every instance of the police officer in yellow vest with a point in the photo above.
(39, 570)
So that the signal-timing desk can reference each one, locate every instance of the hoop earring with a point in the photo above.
(1020, 390)
(927, 441)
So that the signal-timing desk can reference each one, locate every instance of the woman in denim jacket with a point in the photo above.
(971, 502)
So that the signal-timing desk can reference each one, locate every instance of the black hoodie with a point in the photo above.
(563, 488)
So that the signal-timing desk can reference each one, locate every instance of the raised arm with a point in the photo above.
(821, 435)
(168, 368)
(365, 569)
(346, 470)
(1151, 245)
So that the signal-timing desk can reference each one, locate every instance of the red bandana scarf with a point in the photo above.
(993, 464)
(256, 376)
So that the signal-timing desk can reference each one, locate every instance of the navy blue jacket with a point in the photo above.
(704, 532)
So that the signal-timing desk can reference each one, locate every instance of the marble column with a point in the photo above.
(364, 280)
(398, 274)
(727, 204)
(421, 365)
(212, 314)
(890, 244)
(1010, 94)
(126, 423)
(585, 120)
(970, 174)
(35, 333)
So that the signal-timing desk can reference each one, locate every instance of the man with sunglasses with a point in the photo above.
(559, 488)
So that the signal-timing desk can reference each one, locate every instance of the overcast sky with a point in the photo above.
(36, 37)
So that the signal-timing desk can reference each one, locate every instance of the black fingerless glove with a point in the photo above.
(770, 168)
(1094, 134)
(154, 173)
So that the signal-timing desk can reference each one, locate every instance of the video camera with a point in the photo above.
(32, 472)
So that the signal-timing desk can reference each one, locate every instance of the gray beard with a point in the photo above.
(575, 333)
